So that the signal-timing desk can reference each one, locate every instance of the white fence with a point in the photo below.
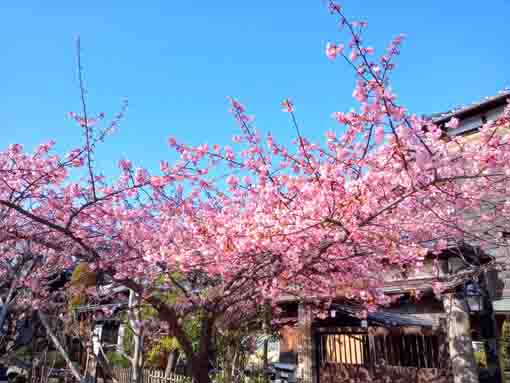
(150, 376)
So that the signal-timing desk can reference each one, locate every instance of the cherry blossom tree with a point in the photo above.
(230, 227)
(374, 198)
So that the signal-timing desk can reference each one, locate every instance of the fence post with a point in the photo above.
(371, 350)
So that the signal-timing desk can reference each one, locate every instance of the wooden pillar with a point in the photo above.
(306, 371)
(459, 340)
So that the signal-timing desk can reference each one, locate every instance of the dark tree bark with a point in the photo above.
(200, 361)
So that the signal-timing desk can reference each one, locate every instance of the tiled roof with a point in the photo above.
(464, 110)
(384, 318)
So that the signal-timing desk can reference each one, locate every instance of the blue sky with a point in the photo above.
(176, 61)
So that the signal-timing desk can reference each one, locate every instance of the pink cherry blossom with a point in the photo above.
(288, 106)
(262, 218)
(125, 165)
(172, 141)
(453, 123)
(379, 135)
(331, 51)
(353, 55)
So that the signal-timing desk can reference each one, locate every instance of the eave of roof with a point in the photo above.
(474, 109)
(384, 318)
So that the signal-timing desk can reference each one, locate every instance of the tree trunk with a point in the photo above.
(120, 338)
(171, 362)
(136, 324)
(58, 346)
(97, 331)
(459, 339)
(234, 365)
(4, 307)
(137, 359)
(306, 361)
(200, 369)
(490, 330)
(267, 330)
(200, 361)
(265, 358)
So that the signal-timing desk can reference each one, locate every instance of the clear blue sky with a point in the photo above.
(177, 61)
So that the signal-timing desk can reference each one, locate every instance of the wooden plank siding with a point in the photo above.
(376, 355)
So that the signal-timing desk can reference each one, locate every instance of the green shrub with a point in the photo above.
(117, 360)
(56, 360)
(481, 359)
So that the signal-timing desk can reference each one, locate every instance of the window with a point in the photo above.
(408, 350)
(468, 132)
(345, 348)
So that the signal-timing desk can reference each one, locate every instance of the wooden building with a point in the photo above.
(429, 339)
(415, 339)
